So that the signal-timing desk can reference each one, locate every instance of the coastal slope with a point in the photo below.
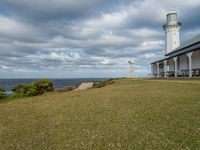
(129, 114)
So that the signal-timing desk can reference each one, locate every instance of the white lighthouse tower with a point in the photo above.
(171, 28)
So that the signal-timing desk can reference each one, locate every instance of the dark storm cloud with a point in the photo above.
(56, 9)
(189, 18)
(43, 37)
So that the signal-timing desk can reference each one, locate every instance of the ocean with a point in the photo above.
(7, 84)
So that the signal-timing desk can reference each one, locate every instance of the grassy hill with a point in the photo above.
(129, 114)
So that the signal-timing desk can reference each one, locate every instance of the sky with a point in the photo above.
(87, 38)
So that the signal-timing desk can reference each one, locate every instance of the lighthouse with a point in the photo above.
(171, 28)
(179, 60)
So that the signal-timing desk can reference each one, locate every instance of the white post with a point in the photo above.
(152, 70)
(158, 70)
(165, 68)
(190, 63)
(175, 66)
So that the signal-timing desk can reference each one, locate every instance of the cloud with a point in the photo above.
(13, 29)
(90, 38)
(57, 9)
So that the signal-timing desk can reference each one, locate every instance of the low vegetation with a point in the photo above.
(100, 84)
(2, 93)
(38, 87)
(2, 90)
(25, 90)
(129, 114)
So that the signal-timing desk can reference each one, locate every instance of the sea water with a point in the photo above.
(7, 84)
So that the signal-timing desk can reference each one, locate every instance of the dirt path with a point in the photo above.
(84, 86)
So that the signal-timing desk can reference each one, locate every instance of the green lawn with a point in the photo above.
(129, 114)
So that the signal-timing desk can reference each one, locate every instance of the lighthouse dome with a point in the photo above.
(172, 17)
(172, 12)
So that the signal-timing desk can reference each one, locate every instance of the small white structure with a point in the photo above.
(179, 60)
(131, 68)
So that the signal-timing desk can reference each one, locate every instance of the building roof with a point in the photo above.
(191, 45)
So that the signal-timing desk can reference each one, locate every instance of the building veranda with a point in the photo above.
(180, 60)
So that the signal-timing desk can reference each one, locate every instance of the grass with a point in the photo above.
(12, 97)
(129, 114)
(100, 84)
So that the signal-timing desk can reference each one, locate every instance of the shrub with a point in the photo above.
(30, 90)
(19, 89)
(43, 86)
(2, 94)
(25, 90)
(2, 90)
(36, 88)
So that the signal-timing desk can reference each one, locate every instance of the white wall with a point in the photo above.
(154, 69)
(172, 40)
(196, 59)
(183, 62)
(170, 63)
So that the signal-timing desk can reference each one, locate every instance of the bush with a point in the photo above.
(43, 86)
(36, 88)
(19, 89)
(25, 90)
(2, 90)
(2, 94)
(30, 90)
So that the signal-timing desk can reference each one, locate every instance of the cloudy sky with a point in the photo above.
(86, 38)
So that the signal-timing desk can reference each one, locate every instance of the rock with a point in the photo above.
(66, 89)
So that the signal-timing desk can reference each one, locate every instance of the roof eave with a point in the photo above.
(177, 50)
(182, 51)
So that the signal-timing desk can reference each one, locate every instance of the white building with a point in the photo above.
(180, 60)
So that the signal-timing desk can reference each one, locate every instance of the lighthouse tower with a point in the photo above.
(171, 28)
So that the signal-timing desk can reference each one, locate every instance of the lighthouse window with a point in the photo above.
(173, 17)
